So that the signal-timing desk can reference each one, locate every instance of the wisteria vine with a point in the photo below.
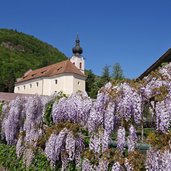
(82, 129)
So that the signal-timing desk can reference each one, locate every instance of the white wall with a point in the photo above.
(76, 61)
(29, 87)
(63, 83)
(67, 83)
(79, 84)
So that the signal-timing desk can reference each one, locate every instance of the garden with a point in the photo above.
(126, 128)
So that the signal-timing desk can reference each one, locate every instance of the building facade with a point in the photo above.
(66, 76)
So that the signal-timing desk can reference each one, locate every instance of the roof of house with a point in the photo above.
(51, 70)
(166, 57)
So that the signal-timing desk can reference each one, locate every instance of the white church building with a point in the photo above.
(66, 76)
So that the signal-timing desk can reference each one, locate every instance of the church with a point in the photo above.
(66, 76)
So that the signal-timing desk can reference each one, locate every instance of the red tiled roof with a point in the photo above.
(51, 70)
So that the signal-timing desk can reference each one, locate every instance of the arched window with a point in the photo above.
(80, 65)
(74, 63)
(56, 81)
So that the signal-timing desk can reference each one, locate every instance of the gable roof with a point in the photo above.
(51, 70)
(166, 57)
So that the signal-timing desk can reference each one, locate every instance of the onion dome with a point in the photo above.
(77, 50)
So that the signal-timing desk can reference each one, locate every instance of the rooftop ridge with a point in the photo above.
(51, 70)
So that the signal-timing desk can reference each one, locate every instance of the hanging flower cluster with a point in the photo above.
(121, 142)
(102, 111)
(132, 138)
(129, 103)
(13, 120)
(75, 108)
(64, 147)
(117, 108)
(31, 130)
(158, 160)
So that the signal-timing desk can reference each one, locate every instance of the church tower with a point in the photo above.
(77, 59)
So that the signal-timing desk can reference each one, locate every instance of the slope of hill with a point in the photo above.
(19, 52)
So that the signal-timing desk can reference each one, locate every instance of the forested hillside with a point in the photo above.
(19, 52)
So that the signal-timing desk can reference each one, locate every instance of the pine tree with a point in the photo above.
(117, 72)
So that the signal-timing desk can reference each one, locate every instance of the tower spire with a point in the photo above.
(77, 41)
(77, 50)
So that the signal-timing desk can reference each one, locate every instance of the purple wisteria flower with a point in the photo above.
(75, 108)
(13, 121)
(70, 146)
(121, 139)
(116, 167)
(131, 139)
(33, 121)
(86, 165)
(163, 116)
(129, 103)
(158, 160)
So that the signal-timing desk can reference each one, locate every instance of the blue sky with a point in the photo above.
(131, 32)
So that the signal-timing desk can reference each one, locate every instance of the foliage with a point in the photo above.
(105, 78)
(1, 104)
(21, 52)
(94, 83)
(154, 138)
(117, 72)
(79, 133)
(9, 160)
(91, 87)
(47, 116)
(137, 164)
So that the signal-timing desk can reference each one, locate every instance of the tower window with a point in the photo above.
(56, 81)
(80, 65)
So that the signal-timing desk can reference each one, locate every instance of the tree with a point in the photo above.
(91, 86)
(117, 72)
(20, 52)
(90, 80)
(105, 78)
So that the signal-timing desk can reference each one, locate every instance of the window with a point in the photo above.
(78, 83)
(59, 68)
(37, 84)
(74, 63)
(56, 81)
(80, 65)
(18, 88)
(24, 87)
(30, 85)
(43, 71)
(33, 75)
